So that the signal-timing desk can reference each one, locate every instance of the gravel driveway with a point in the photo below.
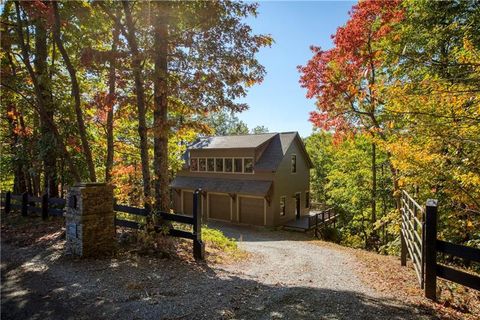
(286, 278)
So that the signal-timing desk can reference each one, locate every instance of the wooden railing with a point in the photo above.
(419, 240)
(321, 219)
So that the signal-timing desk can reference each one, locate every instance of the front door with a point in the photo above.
(297, 205)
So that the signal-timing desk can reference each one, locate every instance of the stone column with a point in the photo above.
(90, 219)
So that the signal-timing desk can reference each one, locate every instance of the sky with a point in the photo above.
(279, 103)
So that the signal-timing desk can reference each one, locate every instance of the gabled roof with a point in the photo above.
(232, 142)
(276, 150)
(249, 187)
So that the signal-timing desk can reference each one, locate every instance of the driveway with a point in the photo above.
(287, 277)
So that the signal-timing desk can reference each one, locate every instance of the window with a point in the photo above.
(283, 199)
(294, 163)
(193, 164)
(202, 164)
(307, 199)
(228, 165)
(248, 165)
(238, 165)
(210, 164)
(219, 165)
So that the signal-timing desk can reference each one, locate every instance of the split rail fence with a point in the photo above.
(419, 241)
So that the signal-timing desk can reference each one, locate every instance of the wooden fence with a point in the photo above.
(27, 203)
(46, 206)
(423, 247)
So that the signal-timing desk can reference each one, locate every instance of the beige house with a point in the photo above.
(260, 179)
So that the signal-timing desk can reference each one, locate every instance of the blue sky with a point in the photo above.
(279, 102)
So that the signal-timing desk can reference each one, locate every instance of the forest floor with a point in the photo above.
(285, 276)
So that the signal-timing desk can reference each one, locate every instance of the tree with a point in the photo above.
(259, 129)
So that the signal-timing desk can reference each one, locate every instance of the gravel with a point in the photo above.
(286, 277)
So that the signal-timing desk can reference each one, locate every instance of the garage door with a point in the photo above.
(219, 206)
(251, 210)
(188, 203)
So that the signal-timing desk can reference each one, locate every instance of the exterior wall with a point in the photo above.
(287, 184)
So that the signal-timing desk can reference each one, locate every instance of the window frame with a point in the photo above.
(191, 159)
(223, 164)
(292, 157)
(199, 167)
(235, 165)
(283, 211)
(249, 158)
(211, 158)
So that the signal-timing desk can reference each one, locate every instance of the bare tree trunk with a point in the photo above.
(140, 93)
(40, 107)
(160, 110)
(111, 103)
(75, 92)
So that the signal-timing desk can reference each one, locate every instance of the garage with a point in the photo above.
(251, 210)
(187, 205)
(219, 206)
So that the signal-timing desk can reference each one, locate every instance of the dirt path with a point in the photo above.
(286, 278)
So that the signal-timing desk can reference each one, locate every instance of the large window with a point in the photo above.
(194, 164)
(248, 165)
(283, 199)
(228, 165)
(210, 164)
(307, 199)
(238, 165)
(202, 164)
(219, 165)
(294, 163)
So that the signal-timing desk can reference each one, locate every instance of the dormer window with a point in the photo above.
(194, 164)
(294, 163)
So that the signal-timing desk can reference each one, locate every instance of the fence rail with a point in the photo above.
(424, 253)
(46, 206)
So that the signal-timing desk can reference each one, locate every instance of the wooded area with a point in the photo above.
(399, 108)
(113, 91)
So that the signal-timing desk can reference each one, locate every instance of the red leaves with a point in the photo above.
(336, 77)
(37, 9)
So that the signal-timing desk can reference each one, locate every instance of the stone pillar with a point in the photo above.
(90, 220)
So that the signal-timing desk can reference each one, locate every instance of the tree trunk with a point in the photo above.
(49, 152)
(111, 103)
(140, 93)
(40, 107)
(160, 111)
(374, 184)
(75, 92)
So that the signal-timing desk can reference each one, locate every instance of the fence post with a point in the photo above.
(198, 245)
(403, 249)
(430, 249)
(316, 225)
(25, 204)
(8, 202)
(45, 206)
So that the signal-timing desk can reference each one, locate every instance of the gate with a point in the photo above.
(413, 235)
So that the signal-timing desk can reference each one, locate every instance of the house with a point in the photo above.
(258, 179)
